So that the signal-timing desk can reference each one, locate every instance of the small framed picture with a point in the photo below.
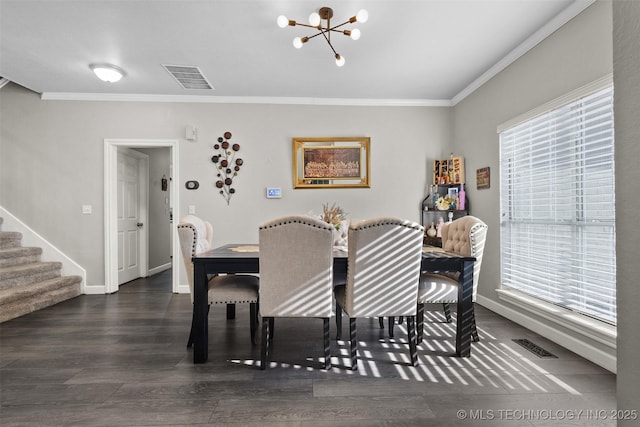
(452, 193)
(483, 178)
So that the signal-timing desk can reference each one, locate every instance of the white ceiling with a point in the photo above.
(430, 52)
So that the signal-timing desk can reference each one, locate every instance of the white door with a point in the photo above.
(129, 221)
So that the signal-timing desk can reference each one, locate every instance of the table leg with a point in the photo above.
(465, 310)
(200, 321)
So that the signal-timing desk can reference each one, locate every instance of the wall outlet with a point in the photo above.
(87, 209)
(192, 209)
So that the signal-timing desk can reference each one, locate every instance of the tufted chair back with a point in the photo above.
(196, 236)
(296, 267)
(383, 268)
(466, 236)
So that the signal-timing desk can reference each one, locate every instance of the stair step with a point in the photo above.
(10, 239)
(19, 255)
(24, 274)
(16, 302)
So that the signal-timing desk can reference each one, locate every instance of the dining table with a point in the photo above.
(245, 259)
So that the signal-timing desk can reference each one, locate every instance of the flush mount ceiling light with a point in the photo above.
(315, 21)
(107, 72)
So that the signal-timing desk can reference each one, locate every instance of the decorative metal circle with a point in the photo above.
(235, 147)
(239, 162)
(227, 135)
(219, 184)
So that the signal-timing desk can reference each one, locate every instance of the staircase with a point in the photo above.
(28, 284)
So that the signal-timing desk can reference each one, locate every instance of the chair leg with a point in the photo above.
(266, 342)
(231, 311)
(447, 311)
(354, 343)
(253, 321)
(413, 351)
(392, 322)
(420, 323)
(338, 322)
(327, 345)
(381, 321)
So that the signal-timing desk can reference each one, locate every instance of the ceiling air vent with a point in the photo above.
(188, 77)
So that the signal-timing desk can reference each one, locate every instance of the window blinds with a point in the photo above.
(557, 209)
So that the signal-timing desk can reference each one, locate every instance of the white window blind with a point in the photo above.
(557, 209)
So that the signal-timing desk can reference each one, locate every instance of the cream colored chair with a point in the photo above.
(383, 275)
(296, 275)
(465, 236)
(196, 236)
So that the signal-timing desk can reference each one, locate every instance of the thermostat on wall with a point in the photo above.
(274, 193)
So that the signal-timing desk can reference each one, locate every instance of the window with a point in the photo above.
(557, 205)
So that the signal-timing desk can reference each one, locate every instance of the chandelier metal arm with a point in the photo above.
(325, 14)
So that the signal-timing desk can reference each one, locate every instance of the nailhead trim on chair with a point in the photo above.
(387, 221)
(195, 233)
(299, 220)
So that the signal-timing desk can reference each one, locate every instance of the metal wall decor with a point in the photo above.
(228, 165)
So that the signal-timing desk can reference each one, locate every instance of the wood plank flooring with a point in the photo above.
(121, 360)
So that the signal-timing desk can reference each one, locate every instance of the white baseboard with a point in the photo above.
(571, 342)
(49, 252)
(159, 269)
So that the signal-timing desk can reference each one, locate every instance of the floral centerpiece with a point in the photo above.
(337, 217)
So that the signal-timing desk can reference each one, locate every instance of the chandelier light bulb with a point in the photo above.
(314, 19)
(282, 21)
(362, 16)
(320, 21)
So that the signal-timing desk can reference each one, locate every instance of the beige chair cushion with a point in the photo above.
(464, 236)
(296, 267)
(383, 268)
(233, 289)
(437, 288)
(196, 236)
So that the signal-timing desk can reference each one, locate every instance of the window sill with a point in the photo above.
(593, 329)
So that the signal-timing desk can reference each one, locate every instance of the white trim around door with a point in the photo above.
(110, 206)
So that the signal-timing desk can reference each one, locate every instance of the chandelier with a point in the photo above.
(315, 21)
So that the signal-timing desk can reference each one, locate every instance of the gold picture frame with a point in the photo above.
(340, 162)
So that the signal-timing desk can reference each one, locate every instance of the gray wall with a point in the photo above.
(158, 225)
(53, 161)
(626, 63)
(576, 54)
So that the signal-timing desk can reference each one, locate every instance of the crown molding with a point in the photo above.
(573, 10)
(120, 97)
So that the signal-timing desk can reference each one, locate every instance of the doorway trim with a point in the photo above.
(110, 206)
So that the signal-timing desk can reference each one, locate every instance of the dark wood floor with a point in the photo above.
(121, 360)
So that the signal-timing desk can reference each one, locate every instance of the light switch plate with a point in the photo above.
(87, 209)
(274, 193)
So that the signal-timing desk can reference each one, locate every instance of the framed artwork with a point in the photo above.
(483, 178)
(341, 162)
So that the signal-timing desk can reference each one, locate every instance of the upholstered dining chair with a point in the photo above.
(382, 278)
(196, 236)
(465, 236)
(296, 275)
